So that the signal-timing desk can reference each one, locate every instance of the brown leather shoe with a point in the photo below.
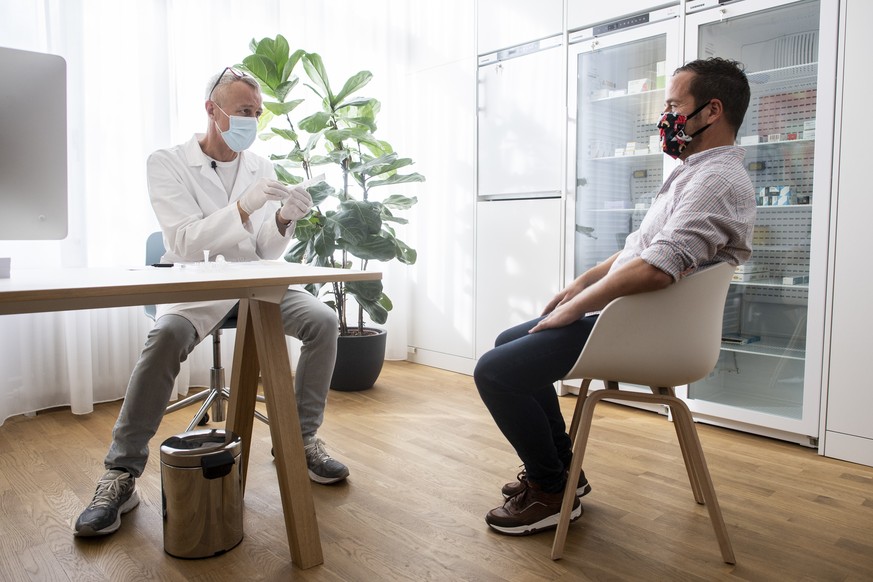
(531, 511)
(513, 488)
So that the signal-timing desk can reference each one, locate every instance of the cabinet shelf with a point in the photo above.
(770, 282)
(786, 207)
(625, 161)
(778, 77)
(615, 210)
(631, 99)
(764, 145)
(768, 347)
(759, 402)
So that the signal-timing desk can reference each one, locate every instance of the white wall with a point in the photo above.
(440, 126)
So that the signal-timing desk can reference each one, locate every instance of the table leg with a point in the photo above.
(262, 322)
(243, 385)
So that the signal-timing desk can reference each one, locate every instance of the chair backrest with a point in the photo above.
(664, 338)
(154, 248)
(154, 251)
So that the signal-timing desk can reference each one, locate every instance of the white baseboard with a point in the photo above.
(440, 360)
(849, 448)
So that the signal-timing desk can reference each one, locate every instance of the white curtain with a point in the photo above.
(136, 76)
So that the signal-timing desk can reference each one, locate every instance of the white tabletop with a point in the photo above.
(39, 290)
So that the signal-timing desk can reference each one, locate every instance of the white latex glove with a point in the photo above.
(297, 205)
(260, 193)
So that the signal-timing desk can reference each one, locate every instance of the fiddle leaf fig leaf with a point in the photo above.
(315, 123)
(282, 108)
(314, 68)
(354, 83)
(398, 179)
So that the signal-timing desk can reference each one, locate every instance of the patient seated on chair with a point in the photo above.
(703, 214)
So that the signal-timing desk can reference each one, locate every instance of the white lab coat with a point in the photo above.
(196, 214)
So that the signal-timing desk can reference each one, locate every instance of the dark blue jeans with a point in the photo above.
(516, 383)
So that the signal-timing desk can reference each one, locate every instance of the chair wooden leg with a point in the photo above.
(692, 452)
(693, 477)
(683, 439)
(580, 442)
(580, 401)
(681, 414)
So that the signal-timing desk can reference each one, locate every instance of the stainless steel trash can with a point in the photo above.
(201, 485)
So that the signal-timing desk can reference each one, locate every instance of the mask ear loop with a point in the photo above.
(698, 110)
(688, 138)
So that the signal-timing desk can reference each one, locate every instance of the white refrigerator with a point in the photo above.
(521, 132)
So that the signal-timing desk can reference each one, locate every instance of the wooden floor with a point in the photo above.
(426, 464)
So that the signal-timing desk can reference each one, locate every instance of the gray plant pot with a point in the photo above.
(359, 360)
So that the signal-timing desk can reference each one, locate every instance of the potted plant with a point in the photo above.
(348, 226)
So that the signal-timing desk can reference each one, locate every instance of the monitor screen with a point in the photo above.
(33, 146)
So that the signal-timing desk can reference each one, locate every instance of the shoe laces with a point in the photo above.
(110, 489)
(315, 452)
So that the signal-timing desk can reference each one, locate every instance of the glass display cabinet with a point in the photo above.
(769, 371)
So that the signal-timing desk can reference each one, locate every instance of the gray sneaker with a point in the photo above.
(115, 495)
(322, 468)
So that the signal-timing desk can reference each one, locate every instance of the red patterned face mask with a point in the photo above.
(672, 129)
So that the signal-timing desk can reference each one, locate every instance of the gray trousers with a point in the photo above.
(171, 340)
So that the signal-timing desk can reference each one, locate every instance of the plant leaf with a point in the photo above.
(320, 191)
(263, 69)
(369, 295)
(285, 176)
(373, 248)
(314, 68)
(354, 83)
(363, 122)
(264, 120)
(282, 108)
(364, 167)
(398, 179)
(285, 87)
(399, 202)
(315, 123)
(370, 290)
(361, 104)
(405, 254)
(355, 221)
(291, 63)
(391, 167)
(338, 135)
(288, 134)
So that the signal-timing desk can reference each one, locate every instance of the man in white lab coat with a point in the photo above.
(211, 194)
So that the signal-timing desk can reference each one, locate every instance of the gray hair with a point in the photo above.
(225, 78)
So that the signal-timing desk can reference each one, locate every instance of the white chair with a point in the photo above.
(661, 339)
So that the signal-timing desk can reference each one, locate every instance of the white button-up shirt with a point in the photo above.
(703, 214)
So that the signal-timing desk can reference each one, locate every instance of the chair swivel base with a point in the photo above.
(212, 397)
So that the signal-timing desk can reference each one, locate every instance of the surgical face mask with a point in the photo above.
(671, 126)
(241, 133)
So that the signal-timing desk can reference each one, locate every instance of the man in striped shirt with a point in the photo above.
(703, 214)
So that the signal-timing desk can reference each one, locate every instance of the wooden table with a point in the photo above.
(260, 349)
